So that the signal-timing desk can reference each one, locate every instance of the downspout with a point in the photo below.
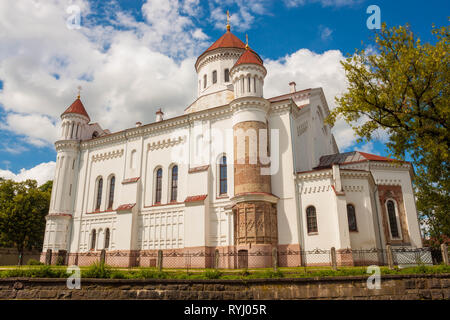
(297, 193)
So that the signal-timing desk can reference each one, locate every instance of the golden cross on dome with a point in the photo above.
(246, 42)
(79, 91)
(228, 20)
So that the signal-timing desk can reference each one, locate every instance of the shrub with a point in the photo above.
(212, 274)
(97, 270)
(151, 274)
(34, 262)
(272, 274)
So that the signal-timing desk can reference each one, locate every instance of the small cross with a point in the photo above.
(79, 91)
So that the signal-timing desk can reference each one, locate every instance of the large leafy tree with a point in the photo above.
(23, 207)
(402, 87)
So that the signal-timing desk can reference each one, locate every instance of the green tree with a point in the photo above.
(403, 89)
(23, 207)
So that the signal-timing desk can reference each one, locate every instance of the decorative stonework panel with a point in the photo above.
(161, 229)
(255, 223)
(387, 192)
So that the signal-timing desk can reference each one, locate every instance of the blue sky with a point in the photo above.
(43, 61)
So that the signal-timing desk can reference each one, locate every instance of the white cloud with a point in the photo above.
(311, 70)
(324, 3)
(325, 33)
(42, 173)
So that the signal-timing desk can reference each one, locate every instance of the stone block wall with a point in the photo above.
(393, 287)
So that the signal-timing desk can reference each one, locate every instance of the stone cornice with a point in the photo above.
(315, 175)
(249, 102)
(166, 143)
(218, 54)
(247, 67)
(67, 145)
(107, 155)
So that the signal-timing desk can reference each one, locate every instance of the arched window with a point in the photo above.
(227, 75)
(158, 186)
(107, 236)
(93, 239)
(174, 184)
(254, 84)
(249, 84)
(214, 76)
(99, 194)
(311, 219)
(112, 184)
(392, 218)
(204, 81)
(351, 216)
(223, 175)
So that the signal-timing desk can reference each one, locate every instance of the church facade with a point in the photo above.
(236, 172)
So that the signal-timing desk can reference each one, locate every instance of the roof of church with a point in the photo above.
(228, 40)
(348, 157)
(249, 57)
(78, 108)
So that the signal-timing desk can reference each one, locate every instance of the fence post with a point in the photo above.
(275, 259)
(390, 258)
(216, 259)
(333, 258)
(48, 257)
(444, 251)
(160, 260)
(102, 256)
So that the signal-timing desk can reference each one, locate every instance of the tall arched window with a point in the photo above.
(99, 194)
(351, 216)
(204, 81)
(249, 84)
(158, 186)
(112, 183)
(227, 75)
(107, 236)
(223, 176)
(311, 219)
(392, 218)
(93, 239)
(214, 76)
(174, 184)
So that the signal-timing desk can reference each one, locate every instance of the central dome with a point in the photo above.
(227, 40)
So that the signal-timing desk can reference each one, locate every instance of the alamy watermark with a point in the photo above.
(374, 20)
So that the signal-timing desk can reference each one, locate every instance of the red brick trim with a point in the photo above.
(130, 180)
(198, 169)
(198, 198)
(94, 212)
(126, 207)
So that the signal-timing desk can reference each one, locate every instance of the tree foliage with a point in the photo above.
(23, 207)
(403, 89)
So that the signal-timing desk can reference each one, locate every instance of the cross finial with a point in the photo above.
(79, 91)
(246, 41)
(228, 20)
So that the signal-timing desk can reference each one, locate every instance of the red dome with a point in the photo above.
(228, 40)
(78, 108)
(249, 57)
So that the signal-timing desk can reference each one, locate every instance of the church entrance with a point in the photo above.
(242, 259)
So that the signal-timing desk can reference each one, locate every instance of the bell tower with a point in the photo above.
(59, 220)
(255, 212)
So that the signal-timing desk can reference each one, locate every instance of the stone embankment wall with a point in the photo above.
(410, 287)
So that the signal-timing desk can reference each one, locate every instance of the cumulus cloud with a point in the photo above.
(42, 173)
(310, 70)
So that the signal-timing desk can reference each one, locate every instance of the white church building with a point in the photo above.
(237, 172)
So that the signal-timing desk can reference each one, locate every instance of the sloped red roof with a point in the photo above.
(228, 40)
(370, 156)
(126, 207)
(249, 57)
(78, 108)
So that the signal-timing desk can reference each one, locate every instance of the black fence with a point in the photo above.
(243, 259)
